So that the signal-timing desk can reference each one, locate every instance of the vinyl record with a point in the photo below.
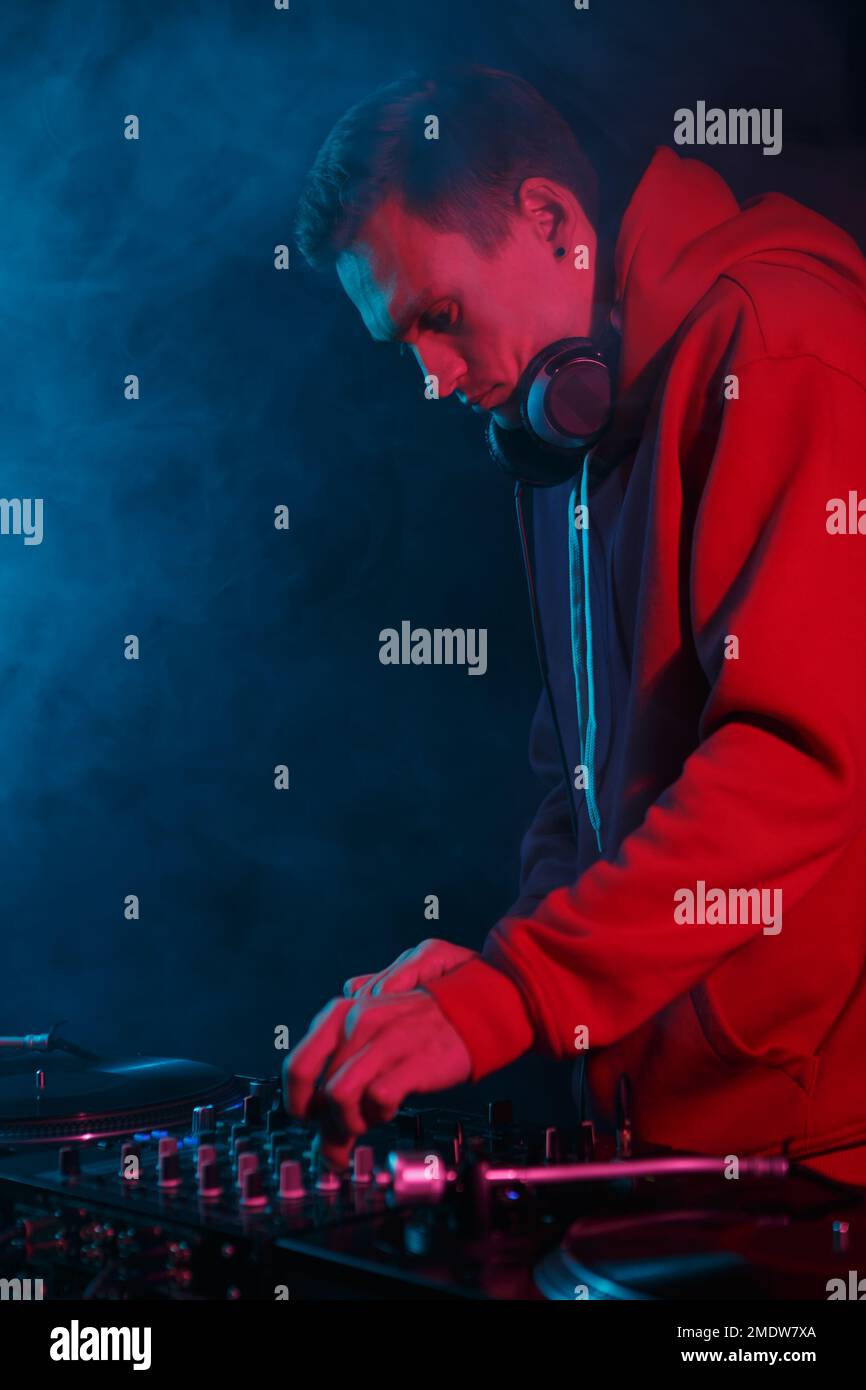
(788, 1249)
(57, 1096)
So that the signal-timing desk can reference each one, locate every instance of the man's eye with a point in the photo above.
(440, 320)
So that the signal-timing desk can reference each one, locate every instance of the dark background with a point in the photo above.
(259, 647)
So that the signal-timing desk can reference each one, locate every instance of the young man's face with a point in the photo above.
(473, 322)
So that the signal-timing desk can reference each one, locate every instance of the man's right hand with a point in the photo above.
(410, 970)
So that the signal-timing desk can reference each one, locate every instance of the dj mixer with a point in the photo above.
(154, 1178)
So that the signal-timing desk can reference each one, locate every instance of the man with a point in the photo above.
(707, 936)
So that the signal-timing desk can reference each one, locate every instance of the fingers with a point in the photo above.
(361, 1059)
(336, 1155)
(338, 1031)
(368, 1022)
(427, 961)
(406, 972)
(354, 984)
(351, 1095)
(363, 984)
(399, 979)
(373, 983)
(406, 1044)
(387, 1092)
(347, 1100)
(412, 968)
(368, 1092)
(304, 1064)
(384, 1093)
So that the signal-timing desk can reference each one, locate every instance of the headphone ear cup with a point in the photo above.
(565, 394)
(520, 457)
(573, 408)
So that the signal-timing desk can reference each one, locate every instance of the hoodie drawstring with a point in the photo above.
(581, 637)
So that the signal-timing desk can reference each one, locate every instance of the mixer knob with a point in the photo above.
(500, 1114)
(410, 1125)
(203, 1120)
(624, 1142)
(281, 1156)
(253, 1189)
(68, 1162)
(623, 1117)
(168, 1163)
(206, 1154)
(553, 1145)
(280, 1144)
(238, 1131)
(169, 1171)
(328, 1182)
(253, 1112)
(264, 1092)
(457, 1143)
(209, 1181)
(275, 1119)
(247, 1163)
(291, 1180)
(841, 1231)
(362, 1164)
(586, 1144)
(243, 1146)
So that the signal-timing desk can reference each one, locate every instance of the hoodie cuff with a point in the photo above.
(488, 1012)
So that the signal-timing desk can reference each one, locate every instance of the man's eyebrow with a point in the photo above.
(414, 309)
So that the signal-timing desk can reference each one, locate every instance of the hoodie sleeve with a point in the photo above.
(775, 789)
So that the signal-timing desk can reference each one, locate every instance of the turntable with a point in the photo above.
(54, 1091)
(700, 1243)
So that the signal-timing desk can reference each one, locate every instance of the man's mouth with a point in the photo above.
(487, 400)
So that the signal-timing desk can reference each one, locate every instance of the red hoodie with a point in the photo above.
(741, 417)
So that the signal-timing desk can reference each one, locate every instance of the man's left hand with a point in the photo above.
(362, 1057)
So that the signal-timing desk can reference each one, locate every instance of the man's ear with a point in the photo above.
(545, 205)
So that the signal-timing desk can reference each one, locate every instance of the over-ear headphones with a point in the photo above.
(565, 397)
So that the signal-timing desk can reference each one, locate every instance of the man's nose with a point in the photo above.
(443, 363)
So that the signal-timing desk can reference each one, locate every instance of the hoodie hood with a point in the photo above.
(682, 229)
